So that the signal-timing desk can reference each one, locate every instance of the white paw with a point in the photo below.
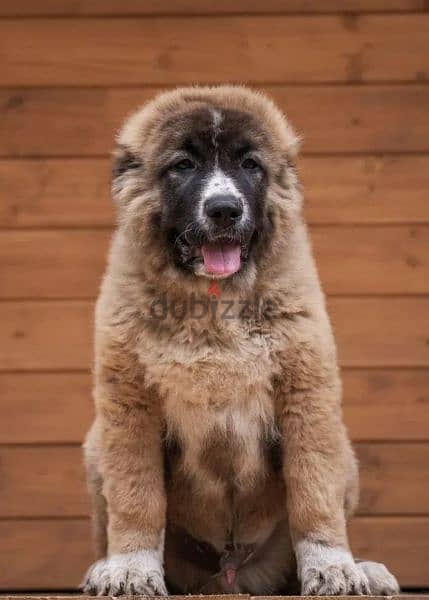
(326, 571)
(135, 573)
(381, 581)
(335, 580)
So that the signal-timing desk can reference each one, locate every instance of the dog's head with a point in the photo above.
(200, 174)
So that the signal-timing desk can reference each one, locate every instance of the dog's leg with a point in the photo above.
(316, 470)
(95, 489)
(131, 465)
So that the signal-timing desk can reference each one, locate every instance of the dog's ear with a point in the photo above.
(125, 165)
(124, 160)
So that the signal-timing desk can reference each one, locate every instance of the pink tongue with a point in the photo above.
(230, 576)
(222, 259)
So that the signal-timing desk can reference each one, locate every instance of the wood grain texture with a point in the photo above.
(174, 50)
(48, 481)
(386, 404)
(373, 189)
(45, 481)
(352, 260)
(70, 596)
(26, 563)
(82, 122)
(76, 192)
(326, 49)
(394, 478)
(44, 554)
(203, 7)
(402, 543)
(371, 332)
(46, 335)
(44, 407)
(379, 404)
(383, 332)
(71, 192)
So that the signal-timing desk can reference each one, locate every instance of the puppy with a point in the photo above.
(218, 461)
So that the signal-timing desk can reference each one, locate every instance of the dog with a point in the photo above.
(218, 461)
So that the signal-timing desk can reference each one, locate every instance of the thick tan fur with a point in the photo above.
(211, 396)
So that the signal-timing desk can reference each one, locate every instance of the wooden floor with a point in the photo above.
(352, 75)
(212, 597)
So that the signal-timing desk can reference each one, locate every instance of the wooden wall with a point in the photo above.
(356, 86)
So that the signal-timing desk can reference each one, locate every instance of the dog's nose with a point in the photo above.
(224, 210)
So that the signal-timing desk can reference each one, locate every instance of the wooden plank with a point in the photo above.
(44, 407)
(44, 481)
(52, 263)
(46, 335)
(361, 260)
(394, 478)
(383, 332)
(48, 481)
(44, 554)
(57, 407)
(402, 543)
(398, 399)
(76, 192)
(358, 260)
(27, 564)
(22, 596)
(384, 189)
(204, 7)
(371, 332)
(177, 50)
(72, 192)
(77, 122)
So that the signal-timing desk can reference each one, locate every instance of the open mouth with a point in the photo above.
(218, 258)
(221, 258)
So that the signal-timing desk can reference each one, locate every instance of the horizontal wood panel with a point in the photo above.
(48, 481)
(46, 335)
(26, 563)
(82, 122)
(401, 543)
(371, 332)
(360, 260)
(173, 50)
(44, 481)
(76, 192)
(352, 260)
(394, 478)
(389, 189)
(44, 554)
(381, 332)
(203, 7)
(57, 407)
(45, 407)
(52, 263)
(385, 404)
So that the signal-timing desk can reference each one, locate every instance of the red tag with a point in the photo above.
(213, 290)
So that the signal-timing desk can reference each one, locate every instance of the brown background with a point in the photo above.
(355, 85)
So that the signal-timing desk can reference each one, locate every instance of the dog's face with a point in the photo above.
(213, 186)
(210, 166)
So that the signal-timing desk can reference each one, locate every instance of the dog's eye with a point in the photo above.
(184, 165)
(249, 164)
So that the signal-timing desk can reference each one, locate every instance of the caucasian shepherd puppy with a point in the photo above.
(218, 461)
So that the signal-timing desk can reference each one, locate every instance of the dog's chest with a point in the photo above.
(218, 405)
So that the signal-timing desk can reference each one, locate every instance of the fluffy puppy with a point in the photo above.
(218, 461)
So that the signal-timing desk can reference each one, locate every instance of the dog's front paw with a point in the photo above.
(381, 581)
(334, 580)
(327, 571)
(134, 573)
